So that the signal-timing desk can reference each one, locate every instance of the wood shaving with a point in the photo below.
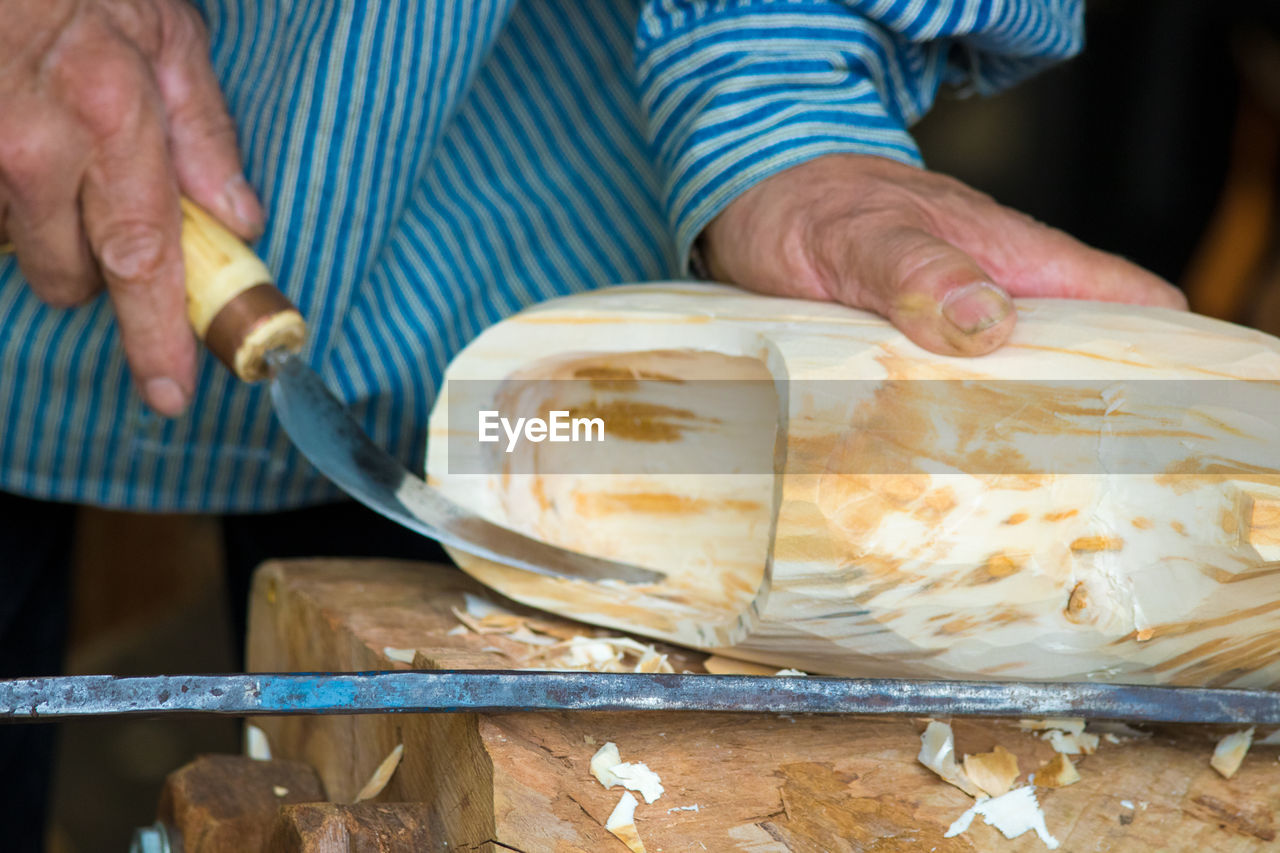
(494, 623)
(1229, 754)
(600, 654)
(381, 776)
(1071, 743)
(523, 634)
(622, 823)
(556, 647)
(1057, 772)
(1116, 732)
(636, 776)
(654, 662)
(608, 768)
(938, 753)
(255, 743)
(484, 617)
(479, 608)
(994, 772)
(603, 762)
(1071, 725)
(401, 655)
(719, 665)
(1012, 814)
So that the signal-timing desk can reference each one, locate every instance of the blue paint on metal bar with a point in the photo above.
(471, 691)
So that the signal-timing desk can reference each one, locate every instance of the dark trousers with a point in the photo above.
(35, 562)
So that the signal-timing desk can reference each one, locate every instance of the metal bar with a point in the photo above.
(27, 700)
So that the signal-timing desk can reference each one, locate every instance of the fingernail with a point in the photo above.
(242, 202)
(976, 307)
(165, 397)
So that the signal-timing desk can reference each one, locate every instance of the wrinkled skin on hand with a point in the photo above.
(935, 257)
(109, 109)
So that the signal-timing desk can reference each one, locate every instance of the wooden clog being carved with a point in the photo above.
(1089, 502)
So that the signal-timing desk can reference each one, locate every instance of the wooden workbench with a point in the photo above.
(758, 783)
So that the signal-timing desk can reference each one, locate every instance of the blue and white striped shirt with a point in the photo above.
(431, 166)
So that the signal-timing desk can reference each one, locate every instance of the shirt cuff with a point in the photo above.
(735, 93)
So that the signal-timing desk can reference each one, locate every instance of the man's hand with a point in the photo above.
(108, 110)
(937, 258)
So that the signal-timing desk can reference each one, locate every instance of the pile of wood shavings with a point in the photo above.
(555, 648)
(989, 777)
(607, 766)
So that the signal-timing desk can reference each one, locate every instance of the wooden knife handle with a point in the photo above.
(232, 303)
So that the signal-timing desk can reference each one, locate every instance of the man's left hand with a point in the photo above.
(936, 258)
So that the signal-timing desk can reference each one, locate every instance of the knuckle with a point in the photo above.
(28, 151)
(109, 102)
(915, 255)
(108, 94)
(132, 253)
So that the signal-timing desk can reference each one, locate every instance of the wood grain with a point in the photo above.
(759, 782)
(229, 803)
(362, 828)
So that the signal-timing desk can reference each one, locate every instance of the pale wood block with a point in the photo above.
(842, 501)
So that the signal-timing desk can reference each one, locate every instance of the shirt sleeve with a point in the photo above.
(736, 90)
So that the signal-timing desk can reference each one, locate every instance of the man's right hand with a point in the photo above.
(109, 109)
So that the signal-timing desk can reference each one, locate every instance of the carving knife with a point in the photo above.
(244, 319)
(33, 699)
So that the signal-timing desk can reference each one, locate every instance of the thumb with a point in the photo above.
(933, 292)
(1036, 260)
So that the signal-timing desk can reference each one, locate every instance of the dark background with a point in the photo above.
(1159, 143)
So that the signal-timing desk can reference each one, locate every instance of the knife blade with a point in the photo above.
(447, 691)
(322, 429)
(236, 309)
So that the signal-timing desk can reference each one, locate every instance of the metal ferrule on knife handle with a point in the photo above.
(232, 303)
